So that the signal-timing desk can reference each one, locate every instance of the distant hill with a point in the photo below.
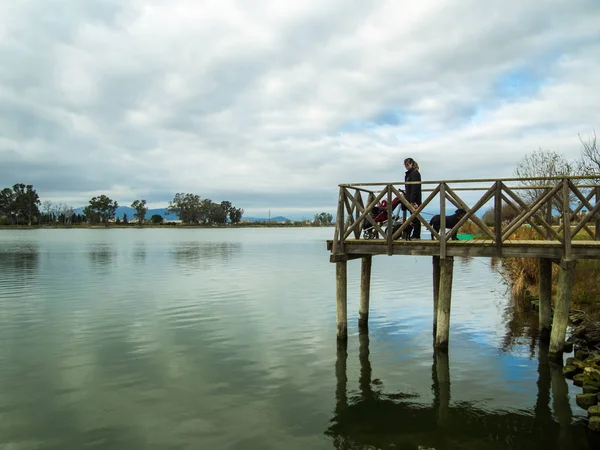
(262, 219)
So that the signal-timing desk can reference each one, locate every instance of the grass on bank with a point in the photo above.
(523, 274)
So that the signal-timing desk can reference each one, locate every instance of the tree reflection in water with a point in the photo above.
(376, 419)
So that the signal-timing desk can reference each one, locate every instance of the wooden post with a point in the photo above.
(365, 288)
(390, 222)
(341, 297)
(436, 290)
(442, 220)
(597, 222)
(338, 242)
(561, 310)
(548, 214)
(444, 301)
(498, 217)
(566, 223)
(545, 314)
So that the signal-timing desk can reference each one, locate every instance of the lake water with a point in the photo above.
(225, 339)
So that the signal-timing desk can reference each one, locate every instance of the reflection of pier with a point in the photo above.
(551, 238)
(376, 419)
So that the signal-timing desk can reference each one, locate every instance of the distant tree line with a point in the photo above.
(20, 205)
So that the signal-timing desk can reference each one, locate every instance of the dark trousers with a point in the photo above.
(416, 229)
(416, 225)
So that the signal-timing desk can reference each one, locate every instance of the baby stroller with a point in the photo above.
(380, 216)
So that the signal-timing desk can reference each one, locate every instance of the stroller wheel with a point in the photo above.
(370, 234)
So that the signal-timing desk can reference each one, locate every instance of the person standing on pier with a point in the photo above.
(413, 192)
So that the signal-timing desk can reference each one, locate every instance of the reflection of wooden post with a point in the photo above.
(365, 366)
(561, 310)
(442, 382)
(365, 287)
(341, 376)
(561, 406)
(444, 299)
(341, 299)
(543, 414)
(545, 314)
(436, 289)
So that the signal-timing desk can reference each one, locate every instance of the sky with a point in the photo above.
(272, 104)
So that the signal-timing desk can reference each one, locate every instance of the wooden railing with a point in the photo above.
(544, 204)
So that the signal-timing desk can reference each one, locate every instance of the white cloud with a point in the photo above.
(272, 104)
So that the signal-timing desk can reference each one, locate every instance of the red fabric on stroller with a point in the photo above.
(383, 215)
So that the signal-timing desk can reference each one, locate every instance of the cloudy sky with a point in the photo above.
(272, 104)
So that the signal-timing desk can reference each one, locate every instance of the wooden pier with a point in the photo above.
(562, 216)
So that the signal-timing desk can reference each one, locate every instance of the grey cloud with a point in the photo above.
(105, 104)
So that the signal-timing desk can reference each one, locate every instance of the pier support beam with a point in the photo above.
(545, 314)
(365, 288)
(436, 290)
(561, 310)
(444, 300)
(341, 299)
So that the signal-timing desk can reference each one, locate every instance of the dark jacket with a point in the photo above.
(413, 191)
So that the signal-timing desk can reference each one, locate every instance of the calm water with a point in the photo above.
(225, 339)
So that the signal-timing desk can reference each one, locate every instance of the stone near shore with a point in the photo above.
(594, 411)
(578, 379)
(579, 364)
(594, 423)
(581, 354)
(590, 389)
(570, 371)
(586, 401)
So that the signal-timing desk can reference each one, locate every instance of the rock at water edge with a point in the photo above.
(586, 401)
(594, 423)
(570, 371)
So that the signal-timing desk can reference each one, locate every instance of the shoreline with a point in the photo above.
(169, 227)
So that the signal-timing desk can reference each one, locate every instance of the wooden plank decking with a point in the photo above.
(353, 248)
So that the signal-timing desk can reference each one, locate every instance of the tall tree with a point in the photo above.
(589, 163)
(140, 210)
(7, 204)
(542, 163)
(47, 206)
(323, 219)
(156, 219)
(188, 207)
(27, 202)
(235, 214)
(104, 207)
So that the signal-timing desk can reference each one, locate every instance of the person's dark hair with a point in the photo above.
(411, 161)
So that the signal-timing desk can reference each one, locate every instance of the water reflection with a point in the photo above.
(139, 252)
(196, 255)
(21, 260)
(376, 419)
(101, 254)
(521, 325)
